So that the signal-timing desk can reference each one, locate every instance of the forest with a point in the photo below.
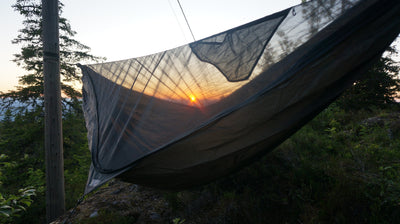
(342, 167)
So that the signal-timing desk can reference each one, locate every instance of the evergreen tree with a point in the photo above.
(21, 130)
(30, 58)
(378, 88)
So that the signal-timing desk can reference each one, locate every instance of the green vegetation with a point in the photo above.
(21, 139)
(14, 204)
(11, 207)
(342, 167)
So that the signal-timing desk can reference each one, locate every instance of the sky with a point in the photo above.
(122, 29)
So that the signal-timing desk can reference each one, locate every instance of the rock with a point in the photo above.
(94, 214)
(374, 121)
(116, 191)
(155, 216)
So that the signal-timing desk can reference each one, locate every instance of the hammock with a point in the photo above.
(189, 115)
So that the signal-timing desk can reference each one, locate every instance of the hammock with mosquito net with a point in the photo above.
(189, 115)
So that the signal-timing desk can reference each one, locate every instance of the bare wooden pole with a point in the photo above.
(55, 193)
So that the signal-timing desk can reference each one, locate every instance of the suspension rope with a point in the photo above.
(177, 21)
(186, 20)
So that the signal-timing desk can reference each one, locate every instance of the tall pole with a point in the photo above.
(55, 194)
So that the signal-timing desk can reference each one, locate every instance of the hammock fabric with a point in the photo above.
(189, 115)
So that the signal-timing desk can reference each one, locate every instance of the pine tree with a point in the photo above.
(23, 136)
(30, 58)
(378, 88)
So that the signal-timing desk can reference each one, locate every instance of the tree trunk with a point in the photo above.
(55, 195)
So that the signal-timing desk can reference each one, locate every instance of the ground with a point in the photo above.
(119, 200)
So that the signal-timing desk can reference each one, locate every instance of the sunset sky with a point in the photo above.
(123, 29)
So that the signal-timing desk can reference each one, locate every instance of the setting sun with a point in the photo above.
(192, 98)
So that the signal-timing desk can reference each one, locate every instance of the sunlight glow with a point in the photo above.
(192, 98)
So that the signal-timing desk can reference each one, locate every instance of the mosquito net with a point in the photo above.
(191, 114)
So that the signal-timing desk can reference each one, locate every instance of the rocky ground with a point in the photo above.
(119, 200)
